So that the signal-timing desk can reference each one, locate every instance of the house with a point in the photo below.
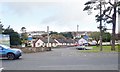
(60, 42)
(52, 42)
(43, 42)
(82, 41)
(36, 34)
(69, 42)
(66, 42)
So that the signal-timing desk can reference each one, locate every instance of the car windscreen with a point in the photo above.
(4, 46)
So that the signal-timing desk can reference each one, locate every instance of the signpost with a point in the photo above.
(4, 39)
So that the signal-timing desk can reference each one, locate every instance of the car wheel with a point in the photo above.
(11, 56)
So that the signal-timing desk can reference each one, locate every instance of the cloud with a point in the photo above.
(69, 12)
(60, 15)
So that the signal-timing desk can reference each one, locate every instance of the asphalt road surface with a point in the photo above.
(64, 59)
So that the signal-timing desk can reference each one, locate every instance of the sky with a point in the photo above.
(36, 15)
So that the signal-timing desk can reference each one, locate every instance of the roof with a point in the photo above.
(65, 40)
(69, 40)
(61, 40)
(45, 40)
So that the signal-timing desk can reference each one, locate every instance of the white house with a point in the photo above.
(66, 42)
(69, 42)
(60, 42)
(38, 43)
(43, 42)
(82, 41)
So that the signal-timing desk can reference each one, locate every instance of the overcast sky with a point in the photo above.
(36, 15)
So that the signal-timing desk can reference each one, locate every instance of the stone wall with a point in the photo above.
(33, 49)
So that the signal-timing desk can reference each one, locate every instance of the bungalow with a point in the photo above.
(60, 42)
(43, 42)
(82, 41)
(64, 42)
(69, 42)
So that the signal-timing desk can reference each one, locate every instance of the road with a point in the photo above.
(64, 59)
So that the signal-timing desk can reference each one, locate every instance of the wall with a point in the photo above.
(33, 49)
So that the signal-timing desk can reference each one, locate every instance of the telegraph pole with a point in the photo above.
(77, 30)
(48, 35)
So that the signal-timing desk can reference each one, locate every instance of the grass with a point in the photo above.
(105, 49)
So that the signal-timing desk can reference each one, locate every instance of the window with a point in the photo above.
(38, 43)
(0, 48)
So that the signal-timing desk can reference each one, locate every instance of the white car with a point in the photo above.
(83, 48)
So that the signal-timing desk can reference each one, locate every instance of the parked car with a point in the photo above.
(93, 43)
(10, 53)
(80, 47)
(83, 47)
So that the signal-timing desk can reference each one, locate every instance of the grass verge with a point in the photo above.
(105, 49)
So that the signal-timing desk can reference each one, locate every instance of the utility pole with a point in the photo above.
(48, 35)
(100, 26)
(77, 30)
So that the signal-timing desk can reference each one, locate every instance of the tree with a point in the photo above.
(24, 35)
(106, 37)
(53, 33)
(57, 36)
(1, 28)
(108, 10)
(67, 34)
(23, 29)
(95, 36)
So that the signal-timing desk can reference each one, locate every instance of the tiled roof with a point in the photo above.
(65, 40)
(69, 40)
(61, 40)
(45, 40)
